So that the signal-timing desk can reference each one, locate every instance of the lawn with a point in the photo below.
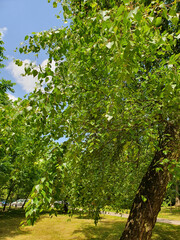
(171, 213)
(65, 228)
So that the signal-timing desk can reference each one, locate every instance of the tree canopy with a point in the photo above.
(4, 84)
(114, 95)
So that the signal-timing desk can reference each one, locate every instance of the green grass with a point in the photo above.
(65, 228)
(171, 213)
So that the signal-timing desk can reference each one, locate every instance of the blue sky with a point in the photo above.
(19, 18)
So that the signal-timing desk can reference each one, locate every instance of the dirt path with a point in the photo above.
(161, 220)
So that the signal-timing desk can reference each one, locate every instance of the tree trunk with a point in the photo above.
(147, 202)
(177, 203)
(65, 207)
(149, 197)
(25, 201)
(9, 193)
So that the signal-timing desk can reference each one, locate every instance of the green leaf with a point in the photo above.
(93, 5)
(175, 20)
(18, 62)
(126, 1)
(120, 9)
(26, 37)
(21, 50)
(54, 4)
(158, 21)
(144, 198)
(35, 73)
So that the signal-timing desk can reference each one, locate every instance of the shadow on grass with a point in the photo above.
(10, 223)
(106, 229)
(166, 232)
(111, 229)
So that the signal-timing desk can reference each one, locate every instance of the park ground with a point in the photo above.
(64, 227)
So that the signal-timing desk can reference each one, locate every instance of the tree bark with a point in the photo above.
(177, 203)
(150, 194)
(25, 201)
(9, 193)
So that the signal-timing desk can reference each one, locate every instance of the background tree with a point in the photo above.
(4, 100)
(24, 152)
(19, 151)
(4, 84)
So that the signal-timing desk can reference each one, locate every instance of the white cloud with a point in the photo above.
(3, 32)
(13, 98)
(28, 83)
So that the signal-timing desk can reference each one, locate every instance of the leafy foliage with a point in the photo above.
(114, 90)
(4, 84)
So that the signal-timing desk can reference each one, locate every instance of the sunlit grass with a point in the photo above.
(171, 213)
(64, 227)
